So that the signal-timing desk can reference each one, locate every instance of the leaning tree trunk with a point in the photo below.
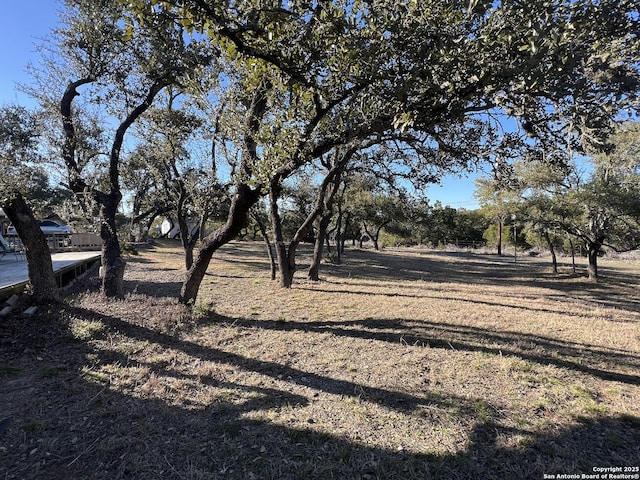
(242, 202)
(202, 230)
(265, 237)
(41, 277)
(188, 245)
(245, 197)
(324, 207)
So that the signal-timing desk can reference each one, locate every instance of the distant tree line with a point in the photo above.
(592, 202)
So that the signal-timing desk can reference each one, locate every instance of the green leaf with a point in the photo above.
(128, 33)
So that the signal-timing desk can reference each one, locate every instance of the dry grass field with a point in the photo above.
(401, 364)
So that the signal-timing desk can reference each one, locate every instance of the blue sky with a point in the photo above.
(456, 192)
(24, 23)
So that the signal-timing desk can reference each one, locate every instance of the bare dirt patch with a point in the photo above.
(404, 364)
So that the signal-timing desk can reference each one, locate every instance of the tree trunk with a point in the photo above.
(592, 253)
(147, 226)
(188, 247)
(499, 237)
(41, 277)
(374, 238)
(135, 231)
(245, 197)
(241, 203)
(113, 264)
(141, 223)
(186, 238)
(339, 240)
(267, 242)
(554, 260)
(314, 269)
(290, 260)
(375, 241)
(324, 205)
(573, 256)
(282, 256)
(272, 258)
(135, 227)
(343, 236)
(204, 218)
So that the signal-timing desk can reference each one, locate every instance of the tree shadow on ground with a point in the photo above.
(431, 268)
(502, 301)
(80, 424)
(466, 268)
(574, 356)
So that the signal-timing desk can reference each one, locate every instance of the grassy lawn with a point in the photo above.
(401, 364)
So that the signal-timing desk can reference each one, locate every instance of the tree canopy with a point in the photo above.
(562, 69)
(426, 87)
